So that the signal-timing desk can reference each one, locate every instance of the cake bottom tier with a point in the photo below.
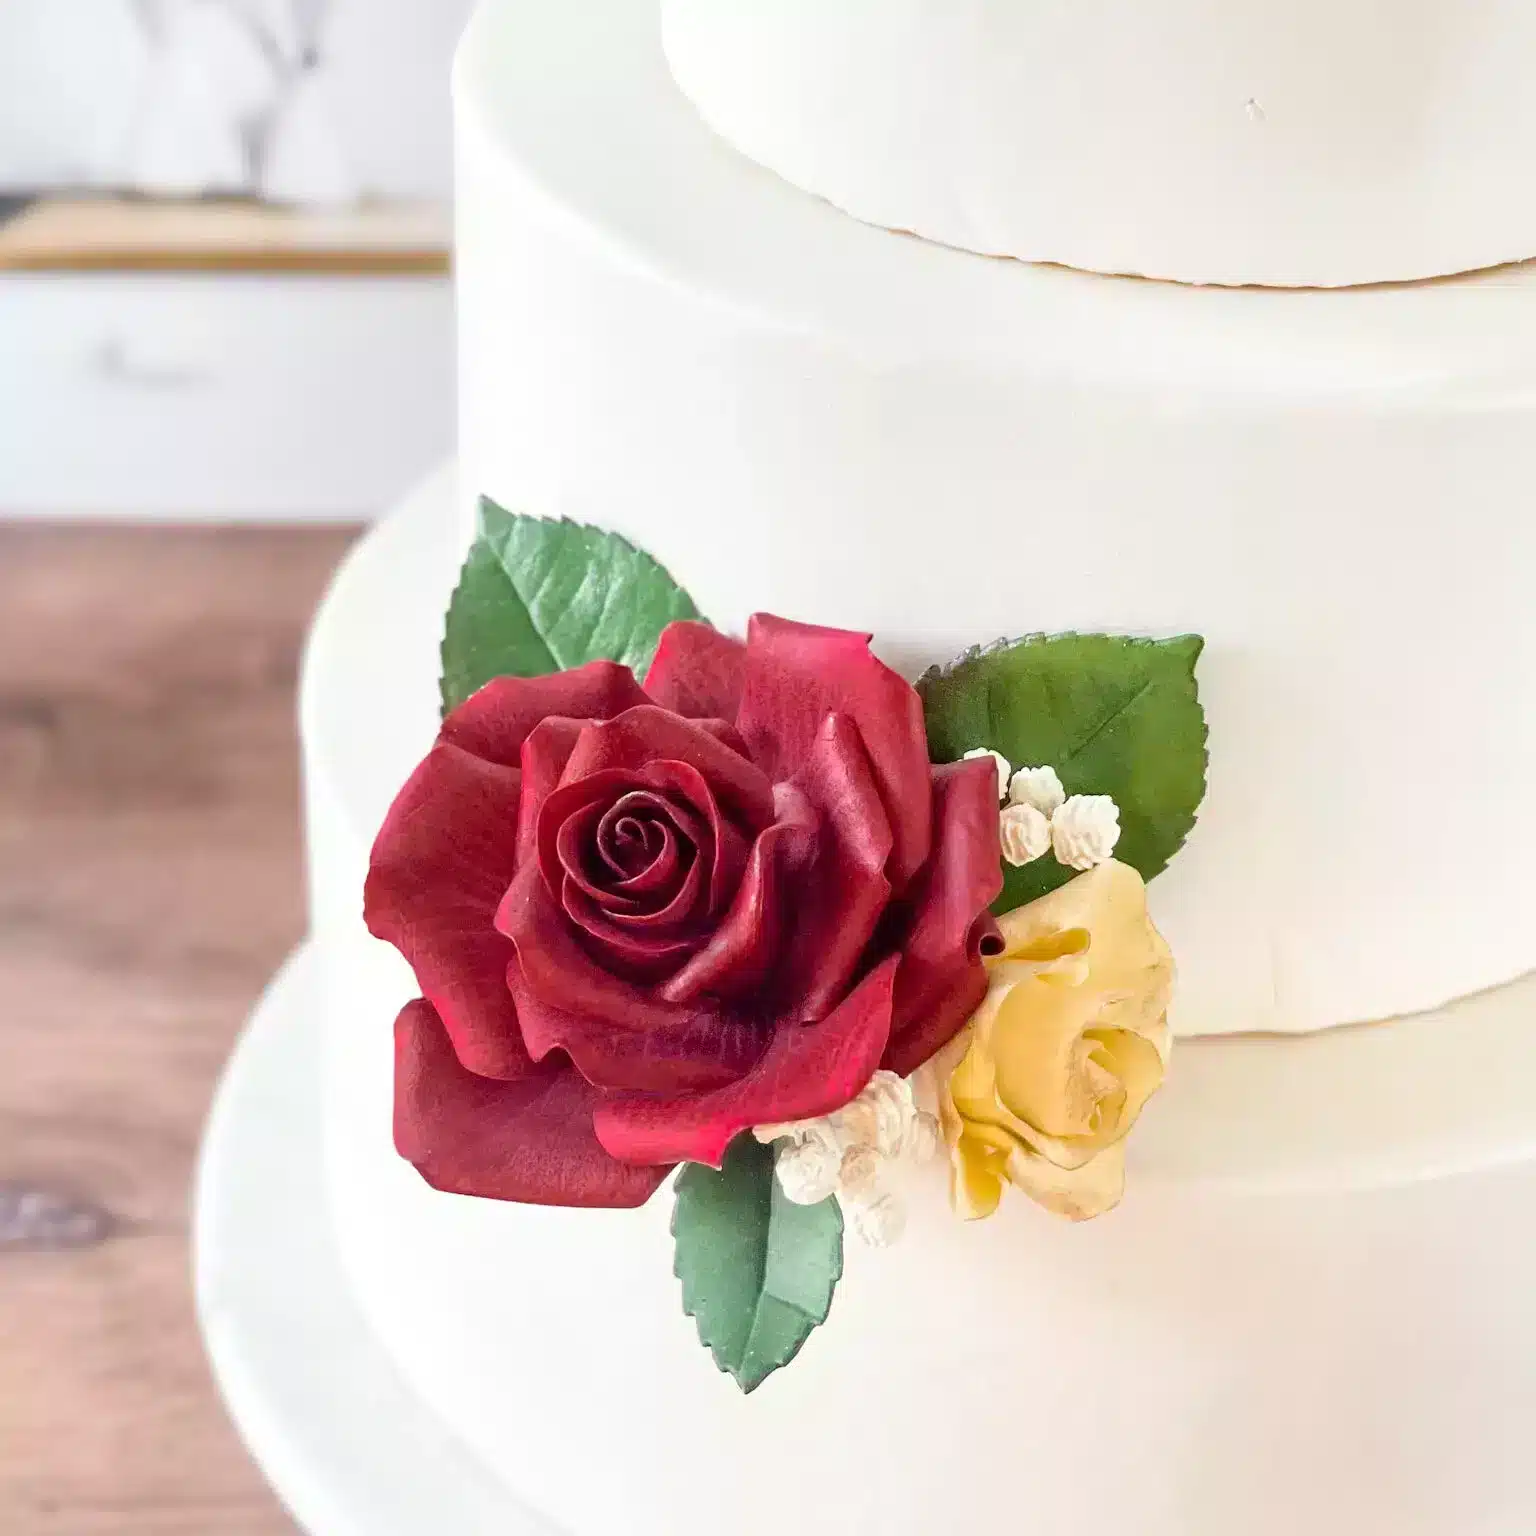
(1267, 1337)
(1197, 1363)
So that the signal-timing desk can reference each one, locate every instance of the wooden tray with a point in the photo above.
(139, 235)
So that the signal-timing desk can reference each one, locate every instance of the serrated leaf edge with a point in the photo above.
(812, 1320)
(975, 653)
(1193, 645)
(488, 504)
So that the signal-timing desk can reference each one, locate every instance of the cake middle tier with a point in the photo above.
(800, 414)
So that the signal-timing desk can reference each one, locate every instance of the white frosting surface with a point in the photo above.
(1311, 1314)
(797, 412)
(1286, 142)
(1313, 1310)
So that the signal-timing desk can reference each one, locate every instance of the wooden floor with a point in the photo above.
(149, 883)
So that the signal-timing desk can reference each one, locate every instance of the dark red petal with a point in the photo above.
(495, 722)
(666, 864)
(701, 1051)
(576, 811)
(737, 956)
(648, 735)
(697, 672)
(576, 834)
(807, 1070)
(727, 854)
(530, 1141)
(797, 675)
(942, 980)
(556, 966)
(545, 754)
(639, 954)
(637, 851)
(837, 899)
(441, 865)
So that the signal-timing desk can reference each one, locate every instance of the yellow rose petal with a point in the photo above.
(977, 1176)
(1079, 1194)
(1068, 1045)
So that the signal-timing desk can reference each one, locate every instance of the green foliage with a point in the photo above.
(758, 1271)
(1112, 715)
(538, 596)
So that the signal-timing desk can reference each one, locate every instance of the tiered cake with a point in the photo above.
(1312, 1313)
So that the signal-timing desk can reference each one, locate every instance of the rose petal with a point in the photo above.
(808, 1070)
(545, 753)
(636, 851)
(737, 955)
(548, 750)
(559, 970)
(797, 675)
(837, 897)
(701, 1051)
(640, 851)
(495, 722)
(942, 980)
(729, 850)
(440, 867)
(697, 672)
(637, 954)
(977, 1175)
(667, 862)
(530, 1141)
(648, 735)
(1079, 1194)
(577, 810)
(581, 831)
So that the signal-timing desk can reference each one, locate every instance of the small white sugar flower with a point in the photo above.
(1026, 834)
(1085, 830)
(878, 1222)
(809, 1170)
(847, 1154)
(880, 1116)
(923, 1137)
(859, 1175)
(1004, 767)
(1039, 787)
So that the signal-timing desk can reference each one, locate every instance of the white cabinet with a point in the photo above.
(221, 396)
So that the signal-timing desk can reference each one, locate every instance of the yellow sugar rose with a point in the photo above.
(1042, 1086)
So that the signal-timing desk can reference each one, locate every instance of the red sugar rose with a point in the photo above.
(645, 920)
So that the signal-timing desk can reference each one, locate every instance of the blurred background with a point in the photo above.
(225, 344)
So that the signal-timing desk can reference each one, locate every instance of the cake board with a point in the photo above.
(345, 1444)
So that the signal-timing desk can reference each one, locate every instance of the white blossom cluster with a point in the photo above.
(851, 1152)
(1039, 817)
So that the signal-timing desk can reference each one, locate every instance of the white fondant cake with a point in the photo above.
(1312, 1313)
(797, 413)
(1285, 142)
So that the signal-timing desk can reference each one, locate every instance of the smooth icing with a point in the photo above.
(1312, 1311)
(1287, 142)
(796, 412)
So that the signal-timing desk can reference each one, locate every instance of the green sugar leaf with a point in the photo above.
(758, 1271)
(1112, 715)
(538, 595)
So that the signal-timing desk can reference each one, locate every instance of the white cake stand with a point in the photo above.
(348, 1448)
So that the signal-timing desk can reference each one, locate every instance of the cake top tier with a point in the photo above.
(618, 152)
(1289, 143)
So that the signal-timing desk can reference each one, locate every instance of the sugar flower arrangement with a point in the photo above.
(760, 910)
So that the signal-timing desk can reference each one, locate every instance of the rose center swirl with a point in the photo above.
(638, 857)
